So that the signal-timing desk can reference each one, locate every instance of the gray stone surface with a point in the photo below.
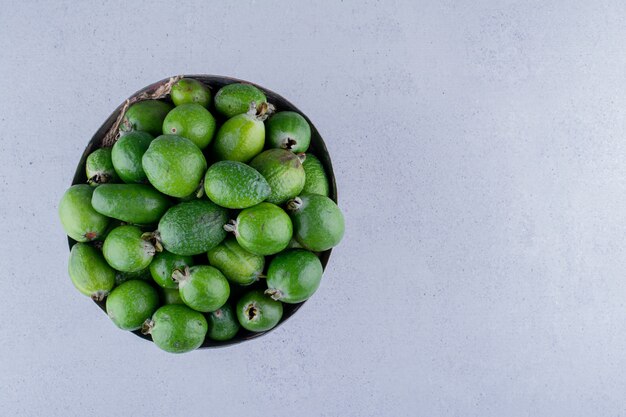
(480, 154)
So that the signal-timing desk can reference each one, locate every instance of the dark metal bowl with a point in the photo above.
(318, 148)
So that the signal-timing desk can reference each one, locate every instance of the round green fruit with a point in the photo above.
(189, 90)
(89, 272)
(163, 265)
(131, 203)
(80, 221)
(171, 296)
(235, 185)
(237, 264)
(223, 324)
(174, 165)
(145, 116)
(288, 130)
(293, 276)
(176, 328)
(315, 180)
(283, 171)
(240, 138)
(234, 99)
(258, 312)
(191, 121)
(99, 167)
(202, 288)
(125, 250)
(131, 304)
(318, 222)
(264, 229)
(126, 156)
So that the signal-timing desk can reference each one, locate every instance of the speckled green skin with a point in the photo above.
(264, 229)
(193, 227)
(293, 276)
(131, 203)
(288, 130)
(145, 116)
(174, 165)
(171, 296)
(234, 99)
(223, 324)
(189, 90)
(164, 264)
(205, 289)
(80, 221)
(89, 272)
(126, 251)
(178, 329)
(100, 167)
(315, 180)
(126, 156)
(132, 303)
(318, 223)
(121, 277)
(191, 121)
(265, 312)
(240, 138)
(283, 171)
(237, 264)
(235, 185)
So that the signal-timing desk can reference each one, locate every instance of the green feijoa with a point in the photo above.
(125, 250)
(121, 277)
(145, 116)
(234, 99)
(258, 312)
(176, 328)
(318, 222)
(264, 229)
(89, 272)
(171, 296)
(99, 167)
(163, 265)
(240, 138)
(191, 121)
(288, 130)
(188, 90)
(131, 304)
(80, 221)
(131, 203)
(202, 287)
(223, 324)
(315, 180)
(293, 276)
(174, 165)
(192, 227)
(283, 171)
(235, 185)
(126, 156)
(237, 264)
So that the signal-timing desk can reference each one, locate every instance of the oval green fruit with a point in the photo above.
(223, 324)
(293, 276)
(264, 229)
(126, 156)
(202, 287)
(80, 221)
(125, 250)
(174, 165)
(89, 272)
(121, 277)
(237, 264)
(191, 121)
(145, 116)
(176, 328)
(315, 180)
(288, 130)
(283, 171)
(99, 167)
(188, 90)
(171, 296)
(192, 227)
(234, 99)
(235, 185)
(131, 203)
(258, 312)
(131, 304)
(318, 222)
(240, 138)
(163, 265)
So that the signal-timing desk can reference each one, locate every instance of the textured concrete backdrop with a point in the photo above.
(480, 156)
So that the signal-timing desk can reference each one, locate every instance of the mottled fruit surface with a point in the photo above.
(264, 229)
(126, 156)
(80, 221)
(131, 203)
(234, 99)
(132, 303)
(177, 328)
(192, 121)
(318, 222)
(223, 324)
(315, 179)
(283, 171)
(163, 265)
(145, 116)
(89, 272)
(288, 130)
(240, 138)
(293, 276)
(189, 90)
(258, 312)
(203, 288)
(237, 264)
(99, 167)
(125, 250)
(235, 185)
